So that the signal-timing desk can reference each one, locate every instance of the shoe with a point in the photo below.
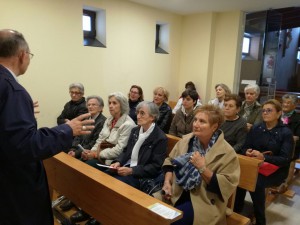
(79, 216)
(92, 221)
(66, 205)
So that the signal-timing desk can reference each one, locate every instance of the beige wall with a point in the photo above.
(199, 50)
(211, 51)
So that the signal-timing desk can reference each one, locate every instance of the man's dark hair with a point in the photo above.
(11, 42)
(190, 85)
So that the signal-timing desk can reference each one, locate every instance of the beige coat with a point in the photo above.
(209, 208)
(119, 136)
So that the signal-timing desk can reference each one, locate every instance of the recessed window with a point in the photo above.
(94, 27)
(246, 45)
(162, 38)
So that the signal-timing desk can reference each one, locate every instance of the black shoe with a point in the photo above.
(92, 221)
(66, 205)
(79, 216)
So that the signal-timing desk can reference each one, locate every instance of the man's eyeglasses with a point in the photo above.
(267, 111)
(30, 55)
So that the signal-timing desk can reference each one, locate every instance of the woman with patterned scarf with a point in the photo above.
(202, 171)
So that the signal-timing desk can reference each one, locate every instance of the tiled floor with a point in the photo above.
(282, 210)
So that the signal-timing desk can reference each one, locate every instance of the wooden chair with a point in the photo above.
(172, 104)
(248, 178)
(283, 188)
(105, 198)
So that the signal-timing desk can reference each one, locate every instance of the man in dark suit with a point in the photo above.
(24, 191)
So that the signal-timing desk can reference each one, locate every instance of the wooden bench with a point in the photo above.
(283, 188)
(105, 198)
(248, 178)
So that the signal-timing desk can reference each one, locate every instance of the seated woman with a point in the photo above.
(95, 106)
(160, 97)
(135, 96)
(145, 151)
(182, 122)
(202, 171)
(76, 106)
(272, 136)
(234, 127)
(189, 85)
(111, 141)
(114, 135)
(221, 91)
(251, 109)
(291, 118)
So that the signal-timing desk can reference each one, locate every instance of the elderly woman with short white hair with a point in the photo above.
(76, 106)
(146, 148)
(251, 109)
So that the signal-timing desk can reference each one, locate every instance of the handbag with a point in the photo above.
(104, 144)
(266, 168)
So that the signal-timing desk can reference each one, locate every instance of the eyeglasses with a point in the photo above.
(92, 105)
(134, 92)
(30, 55)
(75, 93)
(267, 111)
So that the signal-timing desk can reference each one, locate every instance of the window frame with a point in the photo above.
(249, 45)
(90, 34)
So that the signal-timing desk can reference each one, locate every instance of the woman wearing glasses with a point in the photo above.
(76, 106)
(272, 136)
(135, 96)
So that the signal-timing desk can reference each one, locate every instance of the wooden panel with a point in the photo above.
(172, 104)
(105, 198)
(249, 172)
(172, 140)
(237, 219)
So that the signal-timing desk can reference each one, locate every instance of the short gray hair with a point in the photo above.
(255, 87)
(121, 98)
(77, 85)
(292, 97)
(152, 108)
(98, 98)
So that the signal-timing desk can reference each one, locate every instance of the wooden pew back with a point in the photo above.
(105, 198)
(172, 140)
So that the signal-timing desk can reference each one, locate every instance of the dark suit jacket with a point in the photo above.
(151, 154)
(24, 191)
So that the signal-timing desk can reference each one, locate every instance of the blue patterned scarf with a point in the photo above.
(187, 175)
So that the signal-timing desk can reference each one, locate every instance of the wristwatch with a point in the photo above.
(201, 170)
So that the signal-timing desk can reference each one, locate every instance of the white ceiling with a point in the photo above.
(185, 7)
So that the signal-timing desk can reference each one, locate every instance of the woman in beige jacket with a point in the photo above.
(202, 171)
